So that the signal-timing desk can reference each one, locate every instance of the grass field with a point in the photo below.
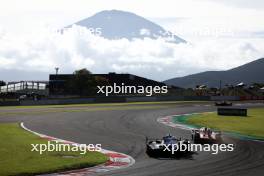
(44, 109)
(105, 104)
(16, 157)
(252, 125)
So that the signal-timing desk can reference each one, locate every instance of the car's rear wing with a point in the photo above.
(195, 130)
(151, 139)
(158, 139)
(214, 131)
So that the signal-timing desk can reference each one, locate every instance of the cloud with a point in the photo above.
(40, 52)
(254, 4)
(144, 32)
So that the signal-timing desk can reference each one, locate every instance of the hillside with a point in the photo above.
(248, 73)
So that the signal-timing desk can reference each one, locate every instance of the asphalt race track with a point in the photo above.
(124, 128)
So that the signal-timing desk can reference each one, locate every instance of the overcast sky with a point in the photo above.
(223, 34)
(232, 14)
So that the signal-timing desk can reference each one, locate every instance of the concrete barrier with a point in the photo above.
(120, 99)
(57, 102)
(170, 98)
(242, 98)
(197, 98)
(9, 103)
(141, 99)
(110, 100)
(225, 98)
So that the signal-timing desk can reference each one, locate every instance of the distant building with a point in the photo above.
(57, 83)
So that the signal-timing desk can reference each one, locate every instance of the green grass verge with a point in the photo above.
(16, 157)
(252, 125)
(104, 104)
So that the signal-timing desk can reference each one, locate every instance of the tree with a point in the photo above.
(82, 83)
(83, 72)
(101, 81)
(2, 83)
(258, 85)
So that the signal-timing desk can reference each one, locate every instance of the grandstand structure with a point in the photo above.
(26, 87)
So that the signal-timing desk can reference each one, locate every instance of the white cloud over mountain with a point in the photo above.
(41, 51)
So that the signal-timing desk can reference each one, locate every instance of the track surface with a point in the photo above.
(124, 129)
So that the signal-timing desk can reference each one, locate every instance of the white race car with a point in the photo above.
(156, 147)
(206, 135)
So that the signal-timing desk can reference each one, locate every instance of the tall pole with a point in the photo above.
(220, 87)
(56, 81)
(57, 70)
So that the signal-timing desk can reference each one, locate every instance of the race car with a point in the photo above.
(206, 135)
(164, 146)
(223, 103)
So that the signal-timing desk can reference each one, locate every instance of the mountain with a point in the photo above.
(115, 24)
(249, 73)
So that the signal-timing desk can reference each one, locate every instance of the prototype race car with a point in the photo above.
(223, 103)
(206, 135)
(164, 146)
